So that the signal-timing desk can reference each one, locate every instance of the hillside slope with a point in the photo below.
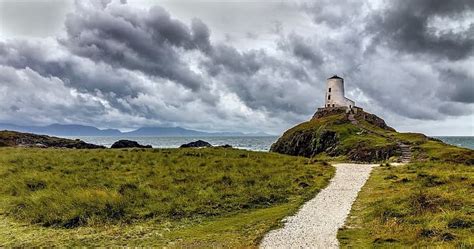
(360, 137)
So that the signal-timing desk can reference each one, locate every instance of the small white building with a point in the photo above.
(335, 93)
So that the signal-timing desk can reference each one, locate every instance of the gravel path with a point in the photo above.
(315, 225)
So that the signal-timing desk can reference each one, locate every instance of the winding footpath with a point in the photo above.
(316, 224)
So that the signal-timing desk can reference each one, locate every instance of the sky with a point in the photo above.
(250, 66)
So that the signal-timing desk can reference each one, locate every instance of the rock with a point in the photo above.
(331, 131)
(307, 143)
(225, 146)
(196, 144)
(363, 153)
(19, 139)
(128, 144)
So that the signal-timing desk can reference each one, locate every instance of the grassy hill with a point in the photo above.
(425, 203)
(211, 197)
(332, 135)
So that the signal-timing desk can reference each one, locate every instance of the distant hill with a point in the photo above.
(62, 130)
(83, 130)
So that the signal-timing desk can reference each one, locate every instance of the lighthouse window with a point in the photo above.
(329, 96)
(329, 90)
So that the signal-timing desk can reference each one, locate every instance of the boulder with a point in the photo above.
(225, 146)
(128, 144)
(196, 144)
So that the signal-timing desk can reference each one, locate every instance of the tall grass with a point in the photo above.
(424, 204)
(72, 188)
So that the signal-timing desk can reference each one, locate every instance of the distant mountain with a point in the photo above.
(62, 130)
(164, 132)
(83, 130)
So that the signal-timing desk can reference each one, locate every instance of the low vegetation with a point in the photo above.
(333, 134)
(427, 203)
(163, 197)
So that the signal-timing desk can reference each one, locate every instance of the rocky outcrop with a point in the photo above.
(373, 119)
(225, 146)
(128, 144)
(196, 144)
(307, 143)
(19, 139)
(353, 134)
(364, 153)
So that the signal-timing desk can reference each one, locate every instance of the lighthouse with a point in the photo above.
(335, 93)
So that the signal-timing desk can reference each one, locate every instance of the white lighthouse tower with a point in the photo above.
(335, 93)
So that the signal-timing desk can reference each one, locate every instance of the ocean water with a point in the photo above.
(466, 142)
(249, 143)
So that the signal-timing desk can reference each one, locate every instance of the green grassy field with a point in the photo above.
(162, 197)
(427, 203)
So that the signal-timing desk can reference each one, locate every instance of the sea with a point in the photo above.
(262, 143)
(249, 143)
(466, 142)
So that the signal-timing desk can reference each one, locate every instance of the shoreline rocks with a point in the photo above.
(120, 144)
(196, 144)
(19, 139)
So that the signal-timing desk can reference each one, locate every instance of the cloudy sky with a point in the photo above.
(235, 65)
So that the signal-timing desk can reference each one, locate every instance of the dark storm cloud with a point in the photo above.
(260, 80)
(223, 57)
(142, 66)
(404, 25)
(147, 41)
(42, 99)
(296, 45)
(74, 72)
(457, 86)
(454, 109)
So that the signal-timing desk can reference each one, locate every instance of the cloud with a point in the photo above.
(296, 45)
(426, 27)
(117, 65)
(333, 13)
(25, 93)
(147, 41)
(50, 60)
(458, 86)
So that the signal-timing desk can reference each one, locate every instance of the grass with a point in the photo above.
(162, 197)
(428, 203)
